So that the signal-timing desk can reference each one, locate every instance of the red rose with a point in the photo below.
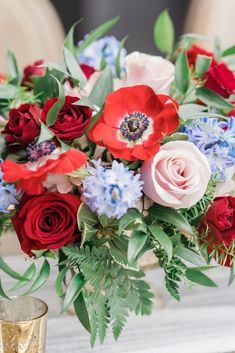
(220, 80)
(194, 51)
(47, 221)
(31, 175)
(33, 70)
(23, 125)
(87, 70)
(134, 121)
(220, 219)
(72, 119)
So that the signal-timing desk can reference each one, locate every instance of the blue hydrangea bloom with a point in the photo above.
(105, 48)
(111, 191)
(8, 194)
(216, 140)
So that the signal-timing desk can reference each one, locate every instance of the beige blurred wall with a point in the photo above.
(32, 29)
(211, 18)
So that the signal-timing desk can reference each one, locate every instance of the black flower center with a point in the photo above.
(133, 126)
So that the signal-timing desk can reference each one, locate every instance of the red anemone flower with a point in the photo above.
(134, 121)
(31, 175)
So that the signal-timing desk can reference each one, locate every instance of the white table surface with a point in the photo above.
(203, 321)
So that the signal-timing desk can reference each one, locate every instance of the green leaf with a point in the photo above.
(85, 216)
(43, 253)
(87, 233)
(75, 287)
(198, 277)
(189, 255)
(55, 109)
(131, 216)
(46, 86)
(96, 34)
(118, 57)
(8, 270)
(202, 65)
(217, 49)
(59, 281)
(2, 292)
(118, 250)
(229, 51)
(188, 110)
(231, 274)
(7, 91)
(81, 312)
(41, 278)
(45, 134)
(59, 67)
(74, 68)
(162, 238)
(171, 216)
(85, 102)
(69, 41)
(94, 119)
(135, 245)
(182, 73)
(213, 99)
(29, 274)
(164, 33)
(13, 67)
(102, 87)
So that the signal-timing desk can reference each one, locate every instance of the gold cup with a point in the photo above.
(23, 325)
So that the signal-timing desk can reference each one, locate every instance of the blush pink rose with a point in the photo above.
(143, 69)
(177, 176)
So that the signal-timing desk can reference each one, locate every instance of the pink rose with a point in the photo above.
(177, 176)
(143, 69)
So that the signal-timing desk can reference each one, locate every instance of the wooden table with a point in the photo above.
(203, 322)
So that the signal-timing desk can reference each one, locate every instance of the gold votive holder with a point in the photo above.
(23, 325)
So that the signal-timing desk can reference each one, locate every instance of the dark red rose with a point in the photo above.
(48, 221)
(220, 220)
(194, 51)
(220, 80)
(88, 70)
(72, 119)
(23, 125)
(33, 70)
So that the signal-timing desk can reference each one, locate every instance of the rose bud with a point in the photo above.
(32, 70)
(220, 80)
(72, 119)
(23, 125)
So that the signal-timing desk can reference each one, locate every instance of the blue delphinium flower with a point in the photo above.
(8, 194)
(111, 191)
(105, 48)
(216, 140)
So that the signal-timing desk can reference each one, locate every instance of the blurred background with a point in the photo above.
(35, 29)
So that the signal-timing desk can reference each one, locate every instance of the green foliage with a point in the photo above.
(41, 278)
(102, 87)
(164, 33)
(229, 51)
(202, 65)
(13, 69)
(182, 73)
(73, 291)
(46, 86)
(111, 290)
(213, 99)
(69, 39)
(136, 243)
(74, 68)
(163, 239)
(198, 277)
(55, 109)
(117, 61)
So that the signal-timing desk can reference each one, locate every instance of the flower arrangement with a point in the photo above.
(107, 156)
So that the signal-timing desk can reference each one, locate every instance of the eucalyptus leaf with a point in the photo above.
(213, 99)
(198, 277)
(135, 245)
(41, 278)
(55, 109)
(171, 216)
(182, 73)
(74, 68)
(189, 255)
(75, 287)
(164, 33)
(202, 65)
(102, 87)
(29, 274)
(8, 270)
(69, 41)
(81, 312)
(45, 134)
(163, 239)
(96, 34)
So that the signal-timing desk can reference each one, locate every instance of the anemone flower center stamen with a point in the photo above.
(133, 125)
